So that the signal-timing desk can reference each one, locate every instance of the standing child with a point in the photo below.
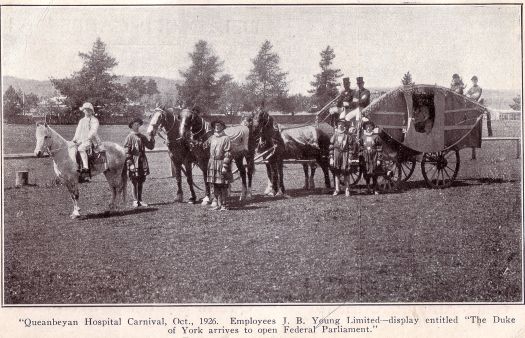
(136, 161)
(219, 170)
(372, 154)
(343, 147)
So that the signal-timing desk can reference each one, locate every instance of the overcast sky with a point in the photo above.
(380, 43)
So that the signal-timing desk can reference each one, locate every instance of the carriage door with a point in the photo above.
(425, 126)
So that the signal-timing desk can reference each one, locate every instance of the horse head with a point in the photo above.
(192, 126)
(263, 129)
(43, 139)
(164, 119)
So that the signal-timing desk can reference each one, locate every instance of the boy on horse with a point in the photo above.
(86, 135)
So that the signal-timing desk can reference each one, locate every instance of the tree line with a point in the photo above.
(204, 84)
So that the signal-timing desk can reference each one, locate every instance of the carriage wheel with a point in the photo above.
(440, 169)
(355, 176)
(390, 177)
(407, 167)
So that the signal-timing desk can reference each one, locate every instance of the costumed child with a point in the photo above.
(219, 169)
(372, 153)
(136, 161)
(343, 149)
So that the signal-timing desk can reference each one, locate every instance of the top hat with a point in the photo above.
(346, 80)
(138, 120)
(360, 79)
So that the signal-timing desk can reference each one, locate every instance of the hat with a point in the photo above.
(135, 120)
(159, 107)
(346, 80)
(474, 78)
(367, 122)
(360, 79)
(87, 105)
(218, 122)
(196, 109)
(455, 76)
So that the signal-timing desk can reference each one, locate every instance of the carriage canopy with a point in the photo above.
(428, 118)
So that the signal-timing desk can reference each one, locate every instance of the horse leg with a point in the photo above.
(207, 197)
(280, 174)
(242, 173)
(251, 168)
(189, 179)
(73, 192)
(306, 181)
(270, 186)
(313, 166)
(326, 171)
(178, 178)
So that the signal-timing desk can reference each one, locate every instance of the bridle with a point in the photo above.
(195, 134)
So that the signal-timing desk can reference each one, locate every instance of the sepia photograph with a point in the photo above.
(270, 154)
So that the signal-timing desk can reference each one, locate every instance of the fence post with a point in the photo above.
(22, 178)
(518, 148)
(473, 153)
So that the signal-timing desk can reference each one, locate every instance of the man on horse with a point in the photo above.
(86, 135)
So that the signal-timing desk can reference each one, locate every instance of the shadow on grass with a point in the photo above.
(107, 214)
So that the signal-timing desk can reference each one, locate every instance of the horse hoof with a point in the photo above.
(178, 198)
(205, 201)
(268, 191)
(74, 216)
(279, 194)
(214, 204)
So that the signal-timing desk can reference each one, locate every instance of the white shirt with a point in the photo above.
(87, 130)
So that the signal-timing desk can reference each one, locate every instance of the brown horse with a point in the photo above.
(181, 153)
(306, 142)
(196, 131)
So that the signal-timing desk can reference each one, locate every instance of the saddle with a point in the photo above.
(97, 161)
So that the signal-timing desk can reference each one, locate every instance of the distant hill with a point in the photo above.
(496, 99)
(40, 88)
(46, 89)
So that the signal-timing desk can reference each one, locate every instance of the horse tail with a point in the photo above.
(124, 183)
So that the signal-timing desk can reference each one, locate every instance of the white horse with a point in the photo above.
(63, 153)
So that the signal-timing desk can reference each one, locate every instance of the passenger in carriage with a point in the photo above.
(343, 149)
(474, 93)
(344, 102)
(361, 98)
(423, 121)
(457, 84)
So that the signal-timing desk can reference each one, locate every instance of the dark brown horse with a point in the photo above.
(181, 154)
(196, 131)
(306, 142)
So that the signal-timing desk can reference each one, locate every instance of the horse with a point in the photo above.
(181, 153)
(64, 153)
(196, 131)
(304, 142)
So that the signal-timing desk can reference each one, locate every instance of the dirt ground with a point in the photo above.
(461, 244)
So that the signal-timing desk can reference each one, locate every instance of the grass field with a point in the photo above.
(461, 244)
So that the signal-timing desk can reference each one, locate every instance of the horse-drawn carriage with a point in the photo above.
(427, 124)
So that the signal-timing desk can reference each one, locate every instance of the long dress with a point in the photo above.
(343, 148)
(135, 146)
(220, 158)
(372, 151)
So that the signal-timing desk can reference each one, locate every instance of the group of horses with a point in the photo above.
(185, 135)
